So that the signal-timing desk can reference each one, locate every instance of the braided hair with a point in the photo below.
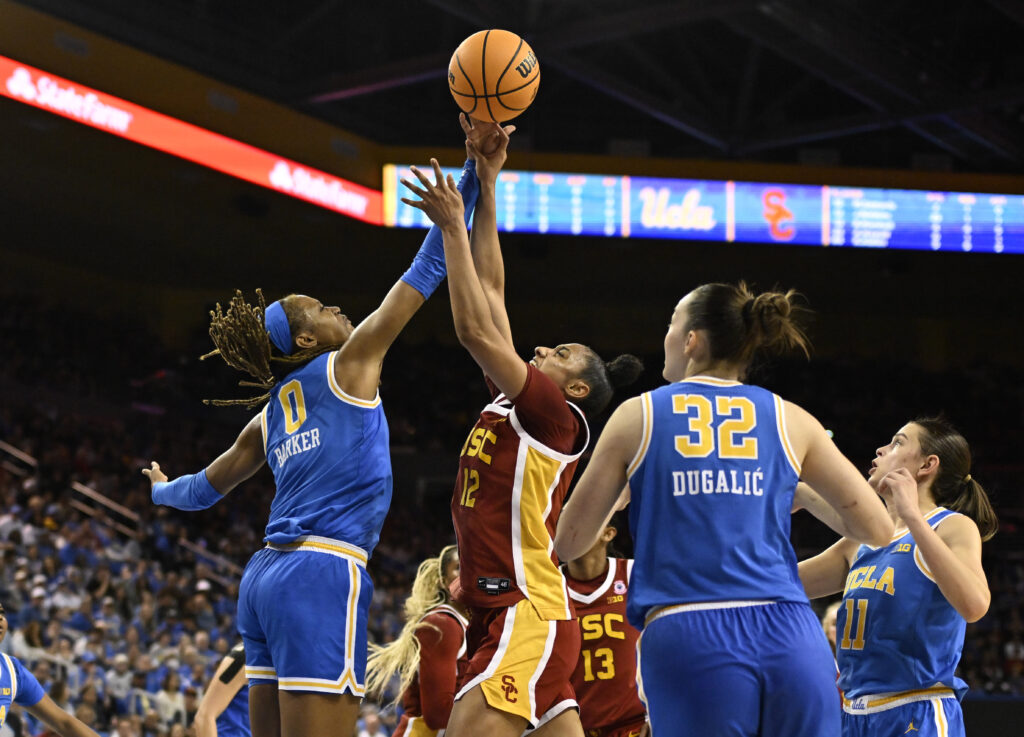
(241, 339)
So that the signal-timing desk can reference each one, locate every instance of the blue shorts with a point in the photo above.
(738, 671)
(925, 717)
(302, 613)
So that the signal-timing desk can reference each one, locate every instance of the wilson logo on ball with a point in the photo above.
(526, 65)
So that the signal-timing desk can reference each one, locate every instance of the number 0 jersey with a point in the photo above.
(330, 458)
(605, 676)
(712, 488)
(895, 631)
(514, 470)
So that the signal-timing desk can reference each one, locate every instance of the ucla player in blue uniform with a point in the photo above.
(906, 604)
(304, 599)
(19, 686)
(224, 710)
(729, 643)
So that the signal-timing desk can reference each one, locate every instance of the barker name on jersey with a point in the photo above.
(297, 444)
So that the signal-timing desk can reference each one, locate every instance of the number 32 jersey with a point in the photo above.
(712, 488)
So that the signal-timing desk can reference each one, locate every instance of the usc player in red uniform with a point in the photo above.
(429, 653)
(514, 470)
(605, 676)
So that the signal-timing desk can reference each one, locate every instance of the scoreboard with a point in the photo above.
(728, 211)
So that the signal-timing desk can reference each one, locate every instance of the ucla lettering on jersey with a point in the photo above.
(713, 483)
(877, 651)
(329, 455)
(17, 686)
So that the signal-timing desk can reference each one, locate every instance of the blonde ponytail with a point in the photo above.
(402, 657)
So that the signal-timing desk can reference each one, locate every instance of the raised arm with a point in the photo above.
(471, 311)
(600, 490)
(487, 143)
(839, 483)
(204, 489)
(360, 359)
(952, 552)
(807, 498)
(825, 573)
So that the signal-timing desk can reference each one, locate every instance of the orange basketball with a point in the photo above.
(493, 75)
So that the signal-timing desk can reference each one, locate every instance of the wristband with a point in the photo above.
(189, 493)
(428, 269)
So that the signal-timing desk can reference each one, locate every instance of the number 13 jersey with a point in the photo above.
(712, 488)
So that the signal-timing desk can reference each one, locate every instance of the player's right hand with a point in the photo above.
(154, 474)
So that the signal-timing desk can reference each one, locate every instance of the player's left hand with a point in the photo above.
(440, 199)
(154, 474)
(901, 486)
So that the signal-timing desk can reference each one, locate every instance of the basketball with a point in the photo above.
(494, 75)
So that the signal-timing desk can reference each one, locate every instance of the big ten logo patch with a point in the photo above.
(903, 548)
(508, 685)
(596, 626)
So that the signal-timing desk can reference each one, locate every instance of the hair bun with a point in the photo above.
(624, 370)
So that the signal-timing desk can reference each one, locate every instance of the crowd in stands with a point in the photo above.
(123, 622)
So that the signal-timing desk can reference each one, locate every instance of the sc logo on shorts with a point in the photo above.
(508, 685)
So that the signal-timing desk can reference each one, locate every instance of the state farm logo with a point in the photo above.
(48, 93)
(331, 193)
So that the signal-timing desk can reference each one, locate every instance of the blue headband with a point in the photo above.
(276, 323)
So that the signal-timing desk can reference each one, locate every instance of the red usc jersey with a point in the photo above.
(605, 676)
(427, 703)
(514, 470)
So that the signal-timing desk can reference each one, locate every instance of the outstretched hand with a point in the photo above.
(154, 474)
(440, 199)
(487, 143)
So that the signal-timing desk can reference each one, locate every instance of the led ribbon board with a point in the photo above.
(135, 123)
(726, 211)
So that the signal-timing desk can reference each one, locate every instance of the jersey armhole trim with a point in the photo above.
(340, 393)
(14, 676)
(780, 423)
(263, 425)
(528, 440)
(645, 434)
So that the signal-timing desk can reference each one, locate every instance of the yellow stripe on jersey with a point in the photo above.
(780, 423)
(336, 389)
(941, 725)
(645, 441)
(316, 546)
(545, 586)
(712, 381)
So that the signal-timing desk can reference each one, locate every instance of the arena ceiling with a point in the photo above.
(895, 83)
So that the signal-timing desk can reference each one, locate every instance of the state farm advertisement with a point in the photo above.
(144, 126)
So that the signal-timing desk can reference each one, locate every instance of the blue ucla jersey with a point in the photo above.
(712, 489)
(329, 455)
(17, 686)
(895, 631)
(234, 720)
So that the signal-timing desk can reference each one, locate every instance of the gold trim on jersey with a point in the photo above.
(336, 389)
(316, 544)
(711, 381)
(872, 703)
(263, 425)
(14, 676)
(537, 473)
(647, 408)
(941, 723)
(780, 424)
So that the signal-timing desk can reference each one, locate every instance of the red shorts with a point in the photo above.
(521, 662)
(625, 729)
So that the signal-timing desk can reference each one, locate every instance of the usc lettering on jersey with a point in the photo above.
(605, 676)
(514, 470)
